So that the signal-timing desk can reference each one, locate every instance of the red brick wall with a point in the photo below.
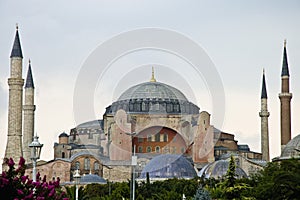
(174, 144)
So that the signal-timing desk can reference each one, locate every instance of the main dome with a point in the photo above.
(153, 97)
(152, 90)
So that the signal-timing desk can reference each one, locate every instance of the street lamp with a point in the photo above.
(77, 181)
(36, 148)
(133, 164)
(108, 180)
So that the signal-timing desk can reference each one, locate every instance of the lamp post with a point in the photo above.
(36, 148)
(133, 164)
(108, 180)
(77, 181)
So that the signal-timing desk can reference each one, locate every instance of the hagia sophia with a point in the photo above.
(152, 126)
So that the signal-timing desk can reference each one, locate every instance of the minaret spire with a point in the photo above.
(285, 101)
(285, 67)
(17, 50)
(28, 111)
(264, 115)
(152, 77)
(263, 89)
(29, 80)
(15, 103)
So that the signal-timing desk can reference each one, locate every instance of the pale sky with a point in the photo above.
(240, 37)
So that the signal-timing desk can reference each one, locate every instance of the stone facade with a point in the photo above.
(53, 169)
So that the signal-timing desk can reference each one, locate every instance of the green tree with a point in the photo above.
(201, 194)
(279, 180)
(71, 193)
(230, 188)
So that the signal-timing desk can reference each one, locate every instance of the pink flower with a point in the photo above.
(5, 181)
(20, 192)
(4, 174)
(38, 176)
(21, 162)
(52, 192)
(24, 178)
(44, 179)
(11, 162)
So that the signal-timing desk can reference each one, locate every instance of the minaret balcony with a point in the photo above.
(264, 114)
(285, 94)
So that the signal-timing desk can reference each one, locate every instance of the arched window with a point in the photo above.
(157, 106)
(130, 106)
(143, 106)
(77, 165)
(63, 154)
(157, 149)
(96, 166)
(151, 106)
(90, 134)
(157, 137)
(140, 149)
(168, 107)
(149, 149)
(87, 164)
(165, 137)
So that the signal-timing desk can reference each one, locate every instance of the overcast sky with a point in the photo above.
(240, 37)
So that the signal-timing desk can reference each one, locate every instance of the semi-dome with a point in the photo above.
(92, 178)
(168, 166)
(153, 97)
(292, 148)
(218, 169)
(90, 127)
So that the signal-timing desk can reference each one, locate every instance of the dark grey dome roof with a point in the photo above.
(290, 149)
(169, 166)
(95, 124)
(219, 169)
(92, 178)
(152, 90)
(153, 97)
(63, 135)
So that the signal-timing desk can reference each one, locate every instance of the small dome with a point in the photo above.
(168, 166)
(290, 149)
(219, 169)
(63, 135)
(92, 178)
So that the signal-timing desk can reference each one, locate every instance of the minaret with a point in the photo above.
(285, 101)
(15, 82)
(264, 114)
(28, 109)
